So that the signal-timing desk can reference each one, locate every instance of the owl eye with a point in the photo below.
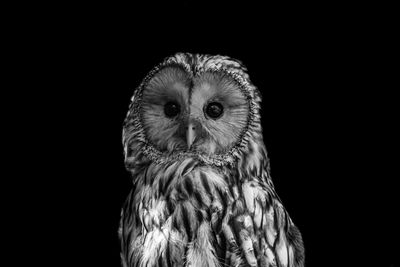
(214, 110)
(171, 109)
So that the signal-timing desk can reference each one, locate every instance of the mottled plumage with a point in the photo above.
(202, 194)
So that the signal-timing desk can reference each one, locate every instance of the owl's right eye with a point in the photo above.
(171, 109)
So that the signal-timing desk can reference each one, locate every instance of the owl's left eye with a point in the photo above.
(214, 110)
(171, 109)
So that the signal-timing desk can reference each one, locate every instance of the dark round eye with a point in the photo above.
(171, 109)
(214, 110)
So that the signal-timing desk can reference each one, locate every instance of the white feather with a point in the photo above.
(155, 244)
(201, 252)
(281, 250)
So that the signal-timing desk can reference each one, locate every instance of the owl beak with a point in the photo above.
(190, 134)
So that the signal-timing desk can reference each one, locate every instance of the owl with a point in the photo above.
(202, 193)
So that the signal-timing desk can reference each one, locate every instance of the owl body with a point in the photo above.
(202, 194)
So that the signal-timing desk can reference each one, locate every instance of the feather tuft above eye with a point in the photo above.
(168, 84)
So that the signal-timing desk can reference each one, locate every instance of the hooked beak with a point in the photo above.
(190, 134)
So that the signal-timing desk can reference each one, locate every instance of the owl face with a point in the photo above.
(205, 113)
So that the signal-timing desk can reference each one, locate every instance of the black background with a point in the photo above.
(328, 117)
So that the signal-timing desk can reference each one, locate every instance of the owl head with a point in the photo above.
(190, 104)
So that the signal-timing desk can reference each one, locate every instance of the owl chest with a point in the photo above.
(181, 222)
(197, 216)
(184, 201)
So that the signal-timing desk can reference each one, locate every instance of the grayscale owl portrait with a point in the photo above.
(202, 194)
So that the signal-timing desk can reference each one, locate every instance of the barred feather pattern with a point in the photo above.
(195, 210)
